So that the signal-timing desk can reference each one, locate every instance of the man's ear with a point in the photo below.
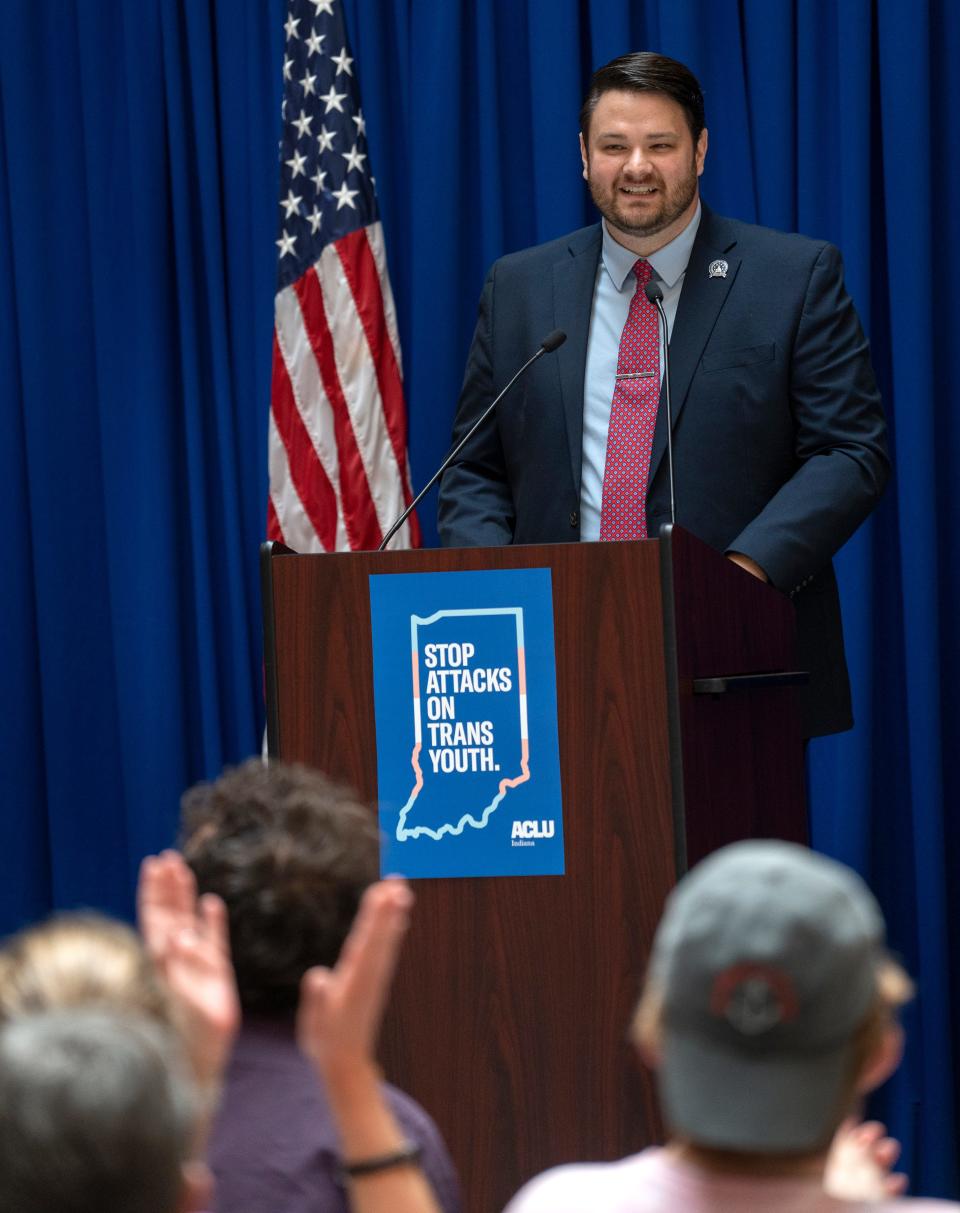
(884, 1060)
(701, 150)
(583, 157)
(196, 1192)
(648, 1041)
(650, 1054)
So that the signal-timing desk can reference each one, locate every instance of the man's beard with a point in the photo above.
(673, 203)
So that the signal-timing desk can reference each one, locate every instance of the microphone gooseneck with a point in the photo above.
(551, 342)
(655, 296)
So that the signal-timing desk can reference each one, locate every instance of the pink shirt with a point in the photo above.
(654, 1182)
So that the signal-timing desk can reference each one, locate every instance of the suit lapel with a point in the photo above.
(701, 300)
(574, 278)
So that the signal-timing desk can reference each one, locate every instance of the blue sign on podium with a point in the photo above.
(468, 766)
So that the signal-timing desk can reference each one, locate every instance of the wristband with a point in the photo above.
(408, 1154)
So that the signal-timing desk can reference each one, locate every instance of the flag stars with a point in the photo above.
(315, 218)
(354, 159)
(307, 84)
(333, 100)
(343, 62)
(285, 244)
(345, 197)
(296, 164)
(314, 43)
(325, 139)
(291, 27)
(361, 122)
(318, 178)
(291, 204)
(303, 123)
(288, 69)
(323, 6)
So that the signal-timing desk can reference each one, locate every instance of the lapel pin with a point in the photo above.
(717, 269)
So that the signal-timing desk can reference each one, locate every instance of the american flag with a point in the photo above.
(339, 473)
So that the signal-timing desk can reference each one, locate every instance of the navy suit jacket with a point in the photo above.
(779, 438)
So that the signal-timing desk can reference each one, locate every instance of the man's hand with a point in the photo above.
(188, 939)
(750, 565)
(341, 1008)
(861, 1161)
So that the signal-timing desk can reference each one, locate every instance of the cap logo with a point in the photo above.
(753, 998)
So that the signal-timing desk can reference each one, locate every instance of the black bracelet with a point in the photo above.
(408, 1154)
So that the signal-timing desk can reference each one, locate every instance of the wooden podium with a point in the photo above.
(678, 733)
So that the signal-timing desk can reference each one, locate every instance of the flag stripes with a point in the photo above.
(361, 272)
(308, 478)
(355, 501)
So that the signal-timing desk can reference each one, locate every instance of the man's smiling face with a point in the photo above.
(642, 167)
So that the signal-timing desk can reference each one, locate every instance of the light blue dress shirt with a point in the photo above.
(611, 305)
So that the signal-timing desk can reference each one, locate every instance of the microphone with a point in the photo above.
(655, 296)
(551, 342)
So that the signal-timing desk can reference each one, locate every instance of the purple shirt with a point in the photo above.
(274, 1147)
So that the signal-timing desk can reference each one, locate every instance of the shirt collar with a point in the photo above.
(669, 262)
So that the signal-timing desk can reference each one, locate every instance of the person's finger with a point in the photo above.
(384, 911)
(214, 922)
(182, 885)
(896, 1184)
(311, 1009)
(145, 879)
(149, 904)
(369, 957)
(886, 1151)
(869, 1131)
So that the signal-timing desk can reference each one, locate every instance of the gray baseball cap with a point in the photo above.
(766, 962)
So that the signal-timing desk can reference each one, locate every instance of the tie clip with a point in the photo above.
(638, 375)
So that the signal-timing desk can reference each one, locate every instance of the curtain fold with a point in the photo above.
(139, 151)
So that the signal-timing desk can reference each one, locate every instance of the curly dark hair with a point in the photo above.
(290, 853)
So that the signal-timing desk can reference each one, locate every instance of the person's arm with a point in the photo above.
(337, 1026)
(475, 507)
(840, 439)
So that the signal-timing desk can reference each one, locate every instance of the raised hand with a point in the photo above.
(188, 939)
(861, 1161)
(341, 1008)
(337, 1026)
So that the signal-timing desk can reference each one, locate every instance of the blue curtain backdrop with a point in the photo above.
(137, 219)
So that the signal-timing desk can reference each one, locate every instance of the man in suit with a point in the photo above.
(778, 437)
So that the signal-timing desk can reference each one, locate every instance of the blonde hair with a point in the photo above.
(75, 960)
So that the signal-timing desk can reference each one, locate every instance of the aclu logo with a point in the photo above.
(526, 833)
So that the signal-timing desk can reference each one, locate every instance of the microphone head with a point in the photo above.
(653, 292)
(553, 341)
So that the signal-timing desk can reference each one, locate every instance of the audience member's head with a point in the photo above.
(97, 1113)
(75, 960)
(771, 1002)
(290, 854)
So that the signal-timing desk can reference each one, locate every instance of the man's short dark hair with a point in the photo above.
(647, 72)
(290, 853)
(97, 1112)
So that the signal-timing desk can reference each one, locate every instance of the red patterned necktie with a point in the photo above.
(633, 418)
